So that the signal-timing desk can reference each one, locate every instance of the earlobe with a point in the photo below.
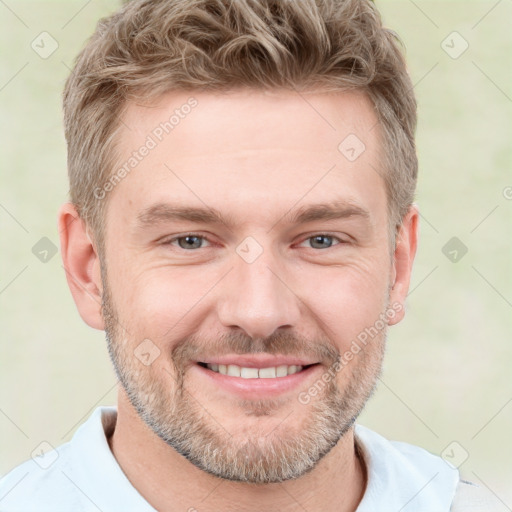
(403, 258)
(81, 264)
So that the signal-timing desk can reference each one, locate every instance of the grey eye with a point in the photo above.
(321, 241)
(190, 242)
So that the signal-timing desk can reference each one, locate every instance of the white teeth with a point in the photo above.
(249, 373)
(233, 370)
(282, 371)
(267, 373)
(271, 372)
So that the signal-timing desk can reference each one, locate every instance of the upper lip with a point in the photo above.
(258, 360)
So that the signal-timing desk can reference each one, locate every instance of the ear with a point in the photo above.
(405, 250)
(81, 264)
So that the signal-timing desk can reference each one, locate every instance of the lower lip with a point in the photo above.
(258, 388)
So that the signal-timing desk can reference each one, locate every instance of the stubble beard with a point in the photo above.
(287, 452)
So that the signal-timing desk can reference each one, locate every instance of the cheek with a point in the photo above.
(158, 303)
(345, 300)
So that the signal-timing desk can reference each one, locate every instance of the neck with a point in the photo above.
(170, 483)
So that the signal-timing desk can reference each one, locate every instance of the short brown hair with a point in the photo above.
(150, 47)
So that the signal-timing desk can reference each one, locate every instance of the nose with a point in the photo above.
(258, 297)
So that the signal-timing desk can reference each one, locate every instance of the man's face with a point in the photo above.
(274, 289)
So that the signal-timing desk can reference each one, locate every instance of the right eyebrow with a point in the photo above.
(162, 212)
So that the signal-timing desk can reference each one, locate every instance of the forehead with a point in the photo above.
(250, 119)
(246, 148)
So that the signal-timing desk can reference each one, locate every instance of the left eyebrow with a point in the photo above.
(328, 211)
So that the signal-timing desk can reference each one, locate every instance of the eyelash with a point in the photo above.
(176, 238)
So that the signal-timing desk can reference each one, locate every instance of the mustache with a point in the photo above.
(197, 348)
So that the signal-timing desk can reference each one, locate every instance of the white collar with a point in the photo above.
(93, 457)
(403, 477)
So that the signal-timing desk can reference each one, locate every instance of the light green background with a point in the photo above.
(447, 374)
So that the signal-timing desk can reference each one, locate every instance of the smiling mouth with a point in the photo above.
(270, 372)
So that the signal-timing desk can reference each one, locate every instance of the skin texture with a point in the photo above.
(257, 158)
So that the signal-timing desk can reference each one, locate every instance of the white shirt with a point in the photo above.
(84, 476)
